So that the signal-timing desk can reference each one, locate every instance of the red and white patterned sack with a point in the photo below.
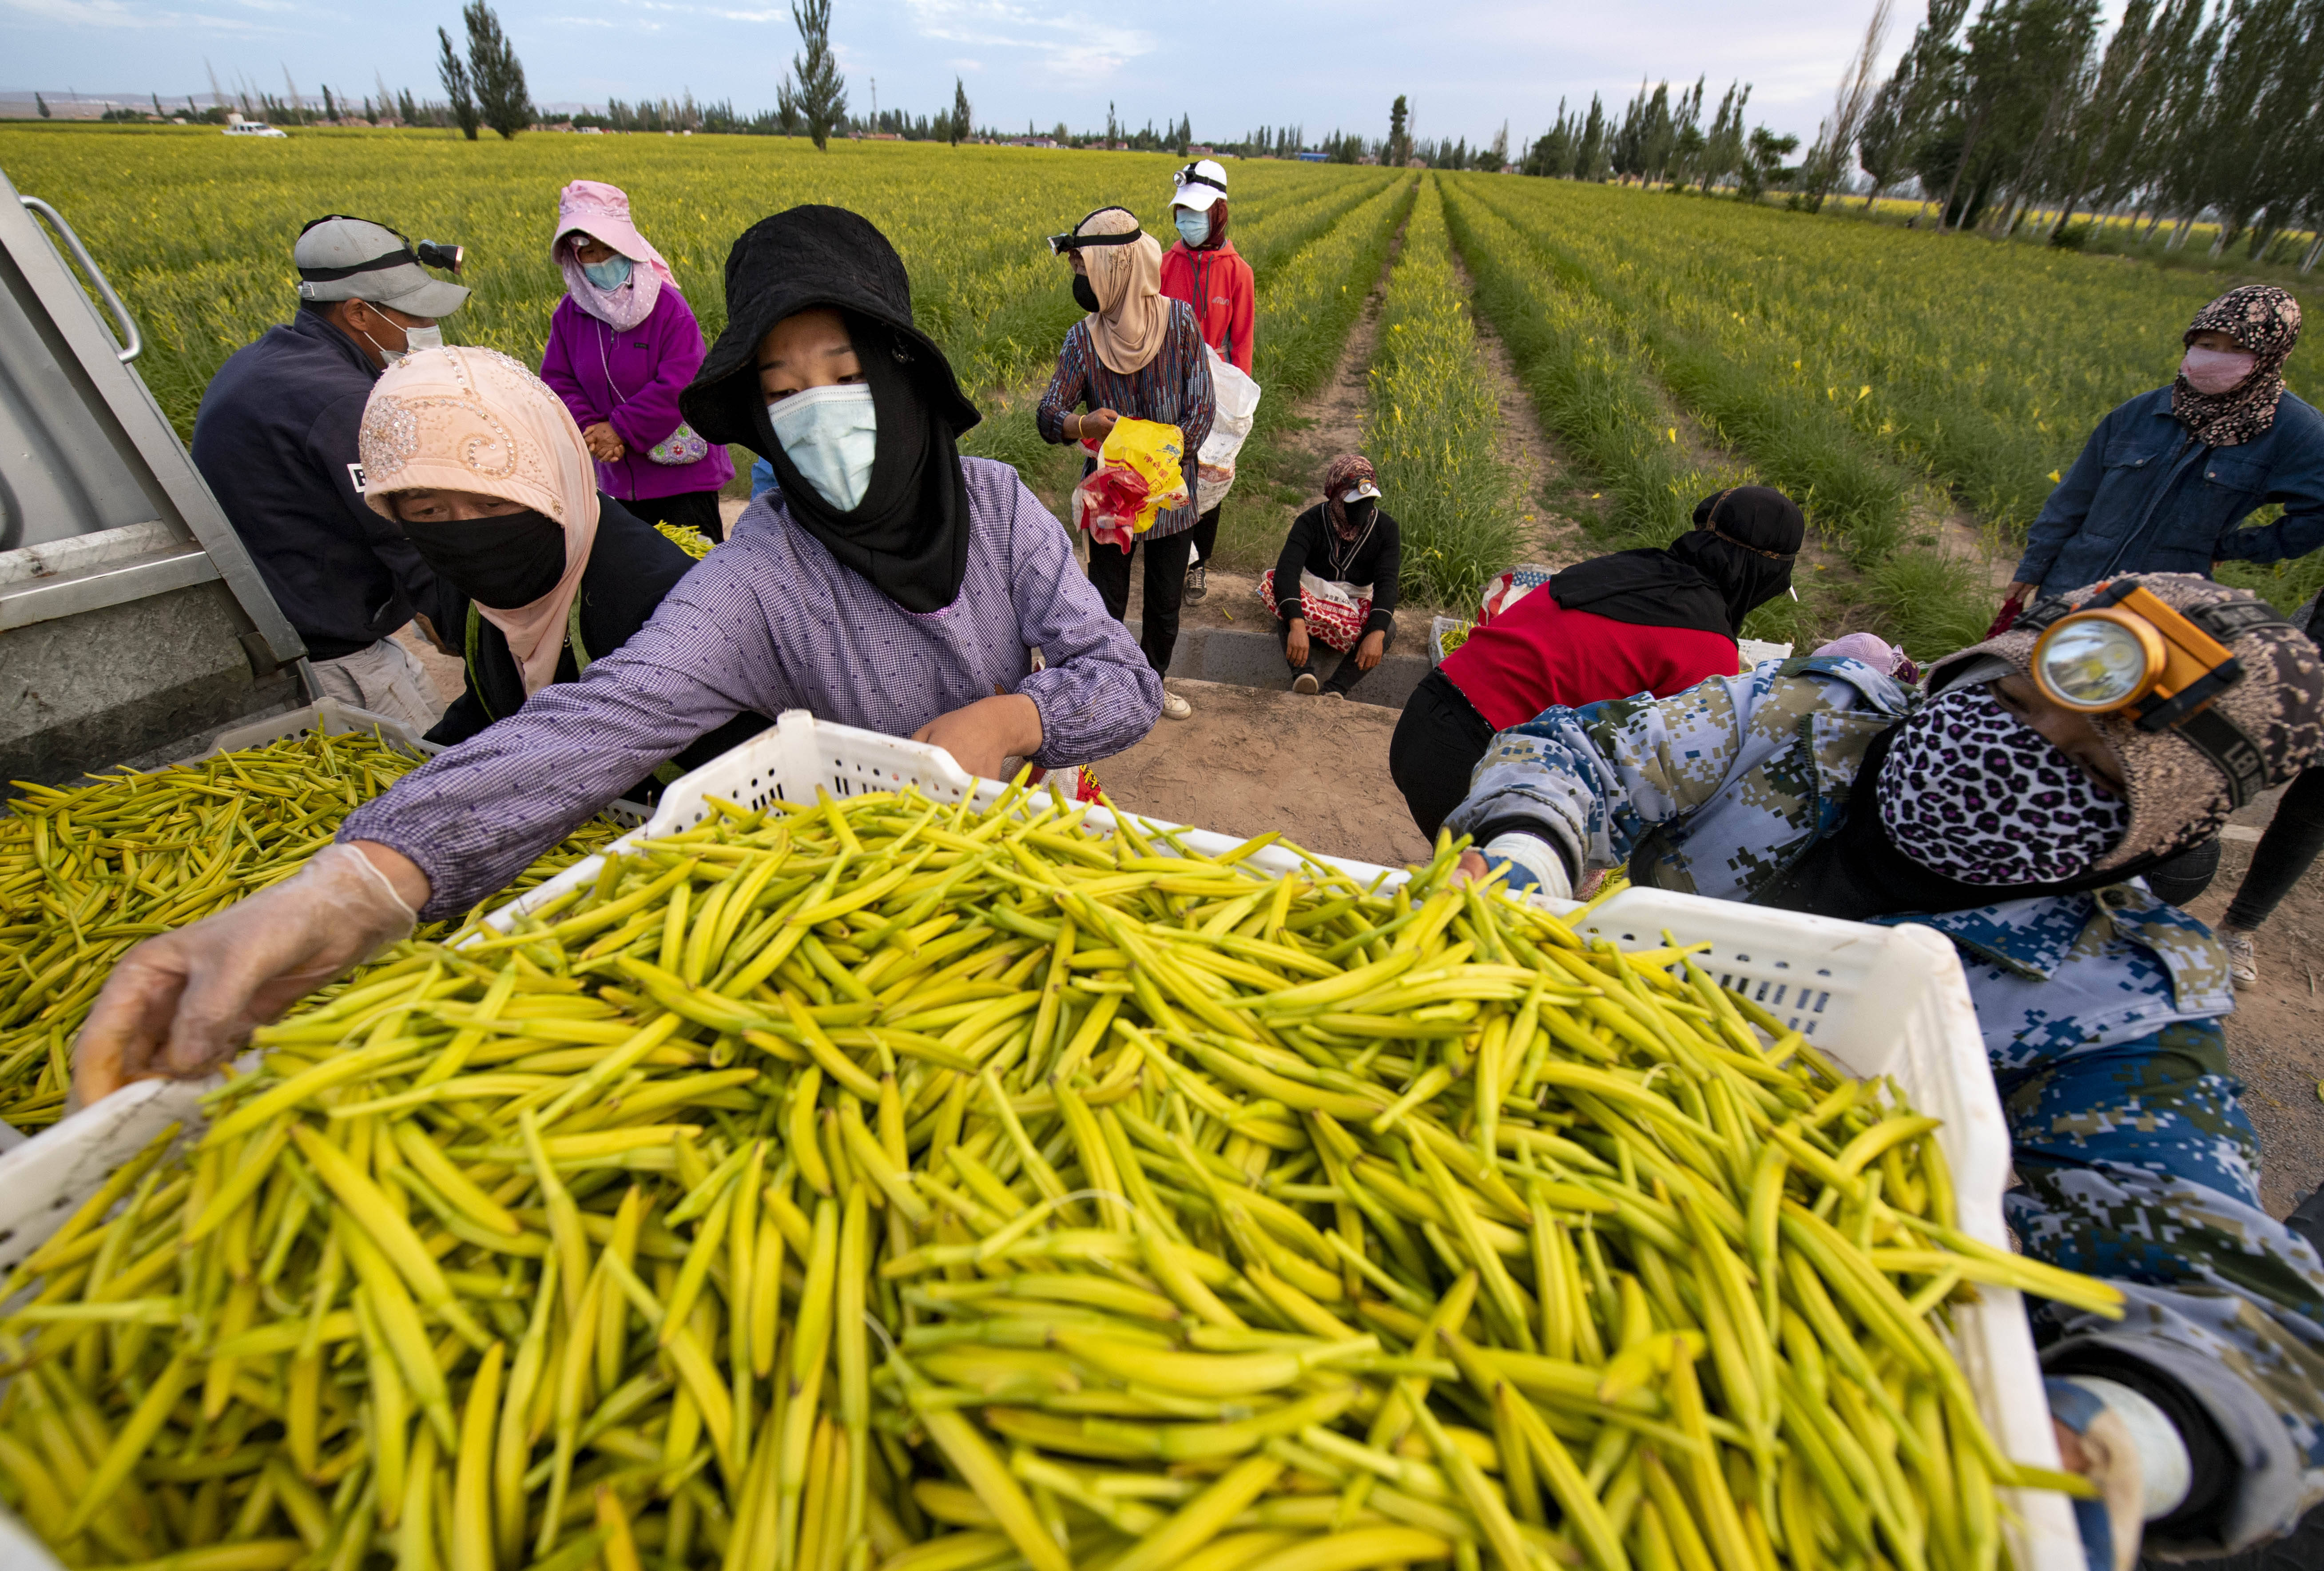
(1336, 614)
(1506, 589)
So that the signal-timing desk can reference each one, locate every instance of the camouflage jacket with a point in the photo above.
(2101, 1017)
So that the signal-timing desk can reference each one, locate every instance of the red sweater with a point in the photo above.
(1538, 653)
(1218, 285)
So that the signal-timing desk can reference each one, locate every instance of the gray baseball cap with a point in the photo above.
(344, 258)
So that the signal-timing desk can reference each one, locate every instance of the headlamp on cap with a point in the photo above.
(440, 253)
(2126, 651)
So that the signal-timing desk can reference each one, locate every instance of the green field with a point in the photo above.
(1886, 377)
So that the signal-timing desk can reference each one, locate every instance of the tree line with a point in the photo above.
(2184, 111)
(2189, 110)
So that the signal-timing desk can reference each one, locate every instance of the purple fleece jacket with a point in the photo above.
(634, 380)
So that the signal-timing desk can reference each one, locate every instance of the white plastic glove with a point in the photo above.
(1530, 865)
(181, 1004)
(2122, 1442)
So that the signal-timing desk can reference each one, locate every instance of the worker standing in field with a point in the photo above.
(2011, 811)
(1136, 355)
(1204, 270)
(2163, 482)
(621, 346)
(276, 438)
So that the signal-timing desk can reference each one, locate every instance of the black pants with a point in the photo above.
(697, 509)
(1436, 748)
(1165, 587)
(2292, 839)
(2185, 877)
(1346, 674)
(1205, 534)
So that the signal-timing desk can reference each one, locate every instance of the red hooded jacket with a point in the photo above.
(1217, 284)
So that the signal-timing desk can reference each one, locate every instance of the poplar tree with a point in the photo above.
(454, 70)
(817, 90)
(495, 73)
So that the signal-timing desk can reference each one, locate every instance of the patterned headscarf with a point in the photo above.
(1132, 315)
(1341, 474)
(474, 419)
(2179, 796)
(1970, 791)
(2264, 320)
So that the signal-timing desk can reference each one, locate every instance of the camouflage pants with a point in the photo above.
(2138, 1163)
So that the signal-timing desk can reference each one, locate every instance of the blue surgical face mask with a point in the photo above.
(830, 434)
(609, 274)
(1194, 229)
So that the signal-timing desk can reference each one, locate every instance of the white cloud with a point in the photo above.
(1062, 42)
(115, 13)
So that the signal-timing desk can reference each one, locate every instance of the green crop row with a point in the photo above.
(1731, 378)
(1595, 360)
(1988, 366)
(1433, 427)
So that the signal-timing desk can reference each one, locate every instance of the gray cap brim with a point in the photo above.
(433, 298)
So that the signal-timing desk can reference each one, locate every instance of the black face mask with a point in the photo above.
(505, 562)
(1083, 295)
(1359, 512)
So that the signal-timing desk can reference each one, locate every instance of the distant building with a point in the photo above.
(1314, 158)
(1198, 150)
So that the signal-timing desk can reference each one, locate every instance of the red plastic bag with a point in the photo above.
(1107, 504)
(2005, 619)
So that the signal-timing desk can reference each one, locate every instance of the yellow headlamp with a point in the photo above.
(2113, 654)
(2125, 651)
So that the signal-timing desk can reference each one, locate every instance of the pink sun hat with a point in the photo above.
(603, 211)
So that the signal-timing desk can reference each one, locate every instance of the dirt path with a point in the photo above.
(1555, 503)
(2275, 1037)
(1251, 760)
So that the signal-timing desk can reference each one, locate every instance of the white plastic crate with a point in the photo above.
(1438, 627)
(1876, 1001)
(328, 715)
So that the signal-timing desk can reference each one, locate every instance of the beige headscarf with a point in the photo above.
(474, 419)
(1132, 315)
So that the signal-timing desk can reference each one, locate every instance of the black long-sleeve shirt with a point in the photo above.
(1375, 556)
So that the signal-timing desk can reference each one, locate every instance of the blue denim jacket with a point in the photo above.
(2146, 497)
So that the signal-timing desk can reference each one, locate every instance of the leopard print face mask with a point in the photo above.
(1970, 791)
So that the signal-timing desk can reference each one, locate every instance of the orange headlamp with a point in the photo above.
(2110, 655)
(2125, 650)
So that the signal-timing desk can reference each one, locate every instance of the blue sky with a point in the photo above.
(1467, 65)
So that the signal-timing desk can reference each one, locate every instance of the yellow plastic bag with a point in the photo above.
(1138, 474)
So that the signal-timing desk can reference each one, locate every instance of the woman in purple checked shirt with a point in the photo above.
(888, 583)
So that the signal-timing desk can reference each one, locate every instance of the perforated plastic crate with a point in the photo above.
(1876, 1001)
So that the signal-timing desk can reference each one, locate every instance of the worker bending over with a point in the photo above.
(2010, 809)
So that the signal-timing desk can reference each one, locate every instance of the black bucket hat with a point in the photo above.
(798, 260)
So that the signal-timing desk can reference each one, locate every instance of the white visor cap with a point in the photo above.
(1200, 184)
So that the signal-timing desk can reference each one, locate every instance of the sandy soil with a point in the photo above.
(1251, 760)
(2275, 1037)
